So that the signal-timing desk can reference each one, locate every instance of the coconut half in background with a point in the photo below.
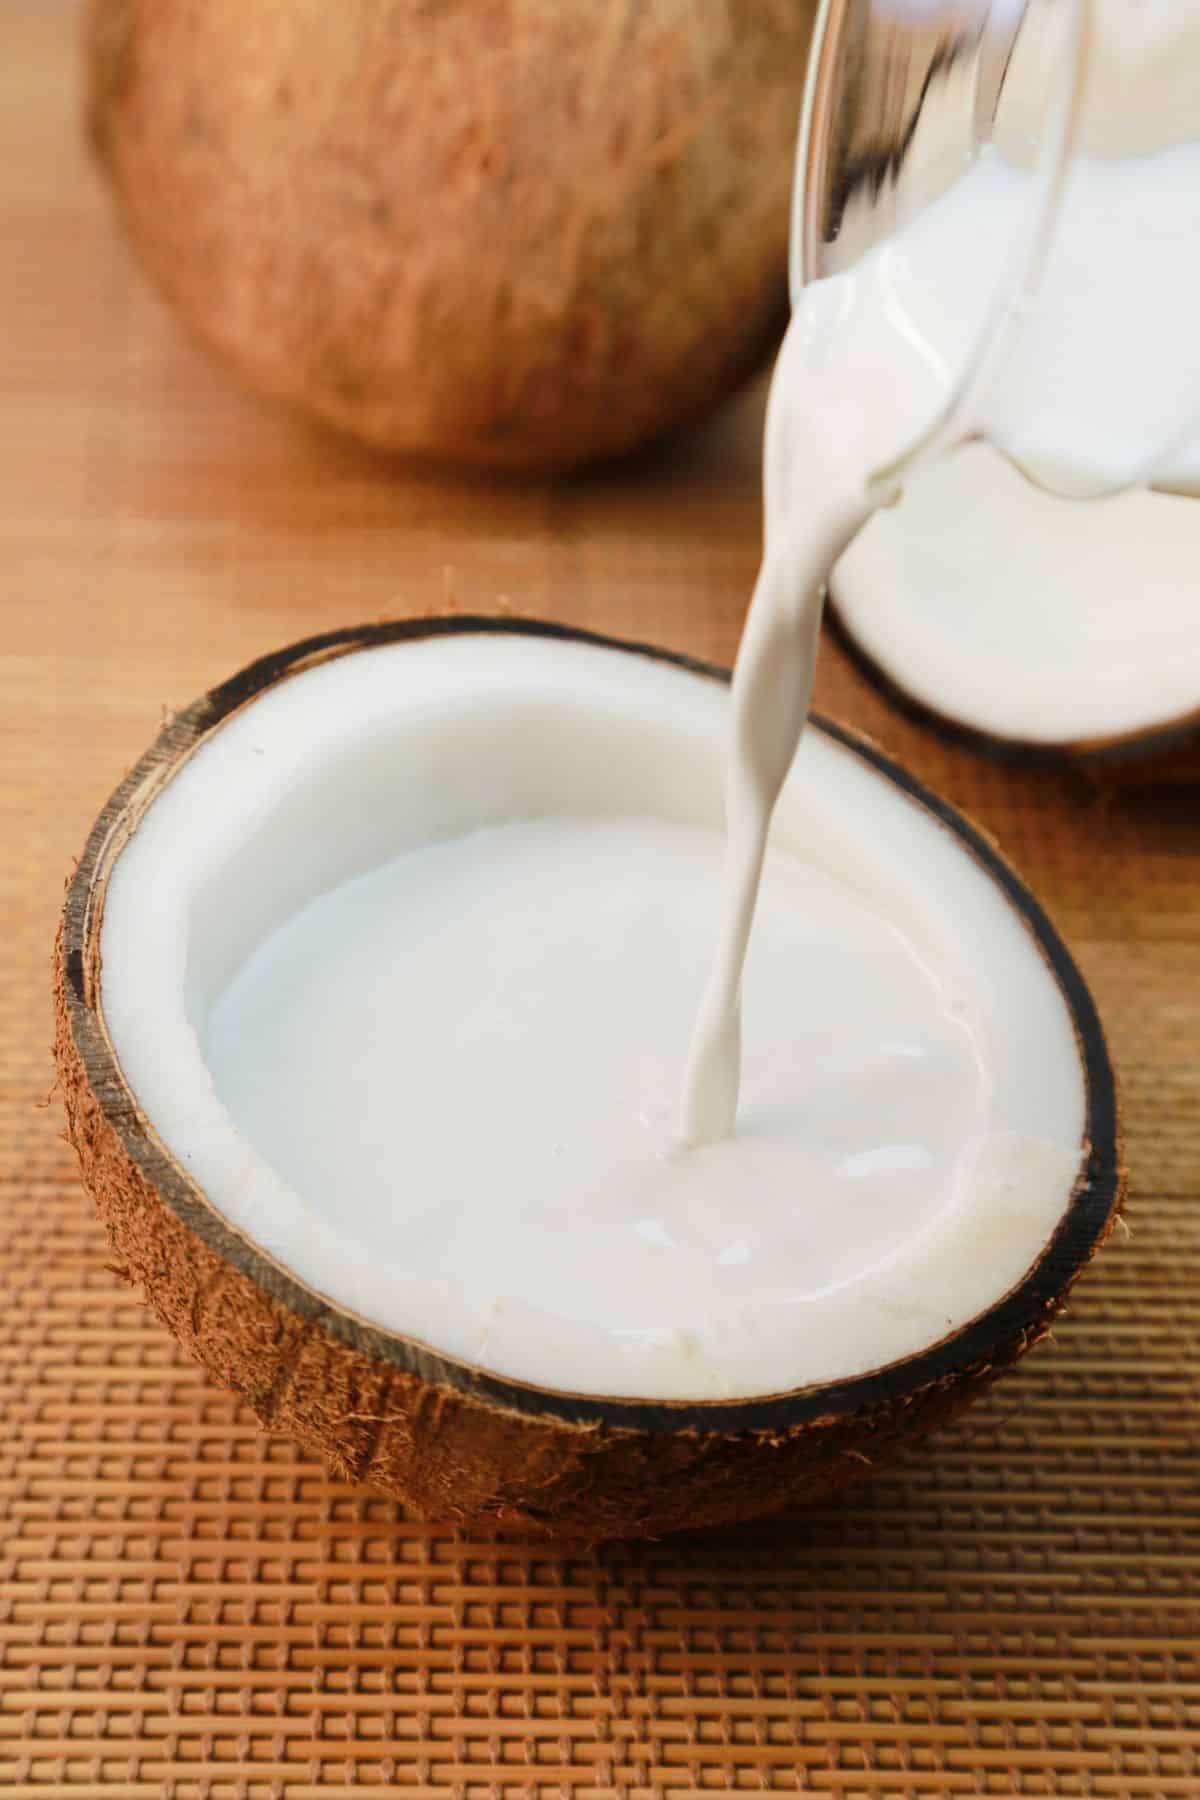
(1036, 628)
(354, 1320)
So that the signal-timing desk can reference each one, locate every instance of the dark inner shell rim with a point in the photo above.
(1022, 1309)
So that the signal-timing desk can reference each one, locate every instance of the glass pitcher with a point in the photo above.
(904, 97)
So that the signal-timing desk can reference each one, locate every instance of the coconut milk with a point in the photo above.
(412, 1001)
(1087, 397)
(480, 1003)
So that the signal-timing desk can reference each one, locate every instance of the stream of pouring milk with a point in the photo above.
(1088, 397)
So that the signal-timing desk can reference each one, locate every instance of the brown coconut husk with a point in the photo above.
(529, 233)
(454, 1441)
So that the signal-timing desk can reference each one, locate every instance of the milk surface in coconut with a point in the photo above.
(441, 1084)
(443, 1087)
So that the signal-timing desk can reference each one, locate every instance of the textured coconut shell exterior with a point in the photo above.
(1167, 753)
(518, 232)
(453, 1441)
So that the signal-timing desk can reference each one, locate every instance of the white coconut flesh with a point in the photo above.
(401, 967)
(1026, 617)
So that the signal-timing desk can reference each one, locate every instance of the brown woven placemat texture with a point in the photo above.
(189, 1608)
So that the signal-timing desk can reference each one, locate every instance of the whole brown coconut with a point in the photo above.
(519, 232)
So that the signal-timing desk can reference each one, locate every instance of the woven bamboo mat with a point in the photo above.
(189, 1608)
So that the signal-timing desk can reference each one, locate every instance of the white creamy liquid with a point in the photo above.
(1086, 394)
(506, 1014)
(412, 998)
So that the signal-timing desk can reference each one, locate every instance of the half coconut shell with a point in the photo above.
(1035, 629)
(453, 1440)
